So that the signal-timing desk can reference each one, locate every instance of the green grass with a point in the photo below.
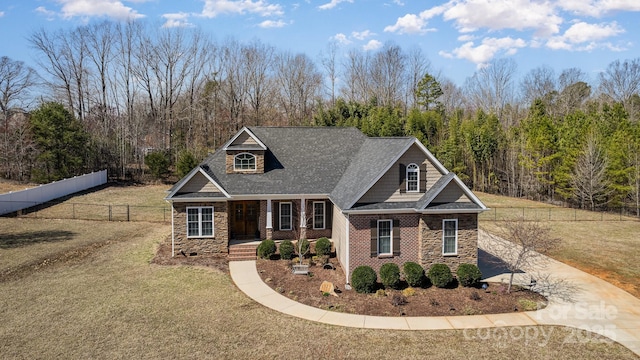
(113, 304)
(607, 249)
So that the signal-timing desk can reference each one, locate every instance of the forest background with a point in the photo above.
(131, 98)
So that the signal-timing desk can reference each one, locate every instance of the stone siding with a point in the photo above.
(219, 244)
(259, 154)
(431, 243)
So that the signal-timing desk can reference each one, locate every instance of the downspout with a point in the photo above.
(172, 232)
(347, 265)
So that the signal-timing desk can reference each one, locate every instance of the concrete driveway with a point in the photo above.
(576, 299)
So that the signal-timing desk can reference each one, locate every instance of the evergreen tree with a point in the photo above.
(61, 143)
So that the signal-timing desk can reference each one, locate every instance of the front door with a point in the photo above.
(245, 219)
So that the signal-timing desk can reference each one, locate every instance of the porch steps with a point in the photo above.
(241, 252)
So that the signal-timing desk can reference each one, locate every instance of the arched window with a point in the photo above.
(413, 178)
(244, 161)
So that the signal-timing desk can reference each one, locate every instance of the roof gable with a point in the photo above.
(450, 182)
(198, 180)
(245, 139)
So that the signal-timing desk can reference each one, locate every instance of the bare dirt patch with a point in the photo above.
(430, 301)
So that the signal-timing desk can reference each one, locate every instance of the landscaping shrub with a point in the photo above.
(440, 275)
(323, 246)
(413, 273)
(409, 292)
(305, 247)
(286, 250)
(390, 275)
(468, 274)
(266, 249)
(363, 279)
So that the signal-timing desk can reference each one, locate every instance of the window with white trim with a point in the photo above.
(244, 161)
(450, 237)
(385, 231)
(413, 178)
(318, 215)
(200, 221)
(286, 217)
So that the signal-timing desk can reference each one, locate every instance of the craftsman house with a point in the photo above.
(379, 199)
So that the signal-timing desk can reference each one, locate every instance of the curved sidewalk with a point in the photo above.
(594, 305)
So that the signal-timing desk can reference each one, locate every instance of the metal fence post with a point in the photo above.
(109, 212)
(128, 214)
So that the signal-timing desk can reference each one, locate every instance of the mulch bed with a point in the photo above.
(430, 301)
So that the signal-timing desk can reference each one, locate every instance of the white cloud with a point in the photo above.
(341, 38)
(50, 15)
(597, 8)
(1, 14)
(176, 20)
(272, 24)
(372, 45)
(470, 15)
(582, 36)
(361, 35)
(89, 8)
(213, 8)
(483, 53)
(466, 37)
(416, 24)
(333, 3)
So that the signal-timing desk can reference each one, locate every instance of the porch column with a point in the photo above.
(269, 233)
(303, 219)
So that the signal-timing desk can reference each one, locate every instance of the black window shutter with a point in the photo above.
(328, 210)
(423, 180)
(396, 237)
(275, 212)
(403, 178)
(374, 238)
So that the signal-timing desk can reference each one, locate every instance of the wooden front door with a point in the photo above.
(244, 219)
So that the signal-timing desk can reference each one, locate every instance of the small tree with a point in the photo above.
(525, 242)
(186, 162)
(158, 164)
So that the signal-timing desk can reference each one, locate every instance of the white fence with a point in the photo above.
(18, 200)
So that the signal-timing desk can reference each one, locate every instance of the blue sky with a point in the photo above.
(457, 36)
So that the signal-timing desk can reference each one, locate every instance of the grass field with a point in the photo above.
(607, 249)
(112, 303)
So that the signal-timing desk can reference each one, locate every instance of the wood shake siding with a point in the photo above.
(389, 187)
(451, 193)
(219, 244)
(244, 139)
(199, 183)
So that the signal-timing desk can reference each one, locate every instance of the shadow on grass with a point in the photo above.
(8, 241)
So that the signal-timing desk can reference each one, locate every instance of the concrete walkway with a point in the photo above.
(579, 300)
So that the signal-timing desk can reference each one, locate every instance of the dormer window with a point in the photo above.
(244, 162)
(413, 178)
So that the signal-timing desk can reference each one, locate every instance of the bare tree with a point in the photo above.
(525, 243)
(16, 82)
(357, 85)
(491, 88)
(417, 65)
(300, 83)
(539, 83)
(621, 80)
(452, 97)
(386, 72)
(257, 64)
(329, 63)
(589, 178)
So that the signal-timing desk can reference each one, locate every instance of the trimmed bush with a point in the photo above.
(266, 249)
(363, 279)
(413, 273)
(323, 246)
(390, 275)
(305, 247)
(440, 275)
(468, 274)
(286, 250)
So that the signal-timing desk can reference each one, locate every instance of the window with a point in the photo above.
(413, 178)
(318, 215)
(385, 228)
(285, 216)
(244, 161)
(200, 221)
(450, 237)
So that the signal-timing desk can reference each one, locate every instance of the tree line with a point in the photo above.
(124, 90)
